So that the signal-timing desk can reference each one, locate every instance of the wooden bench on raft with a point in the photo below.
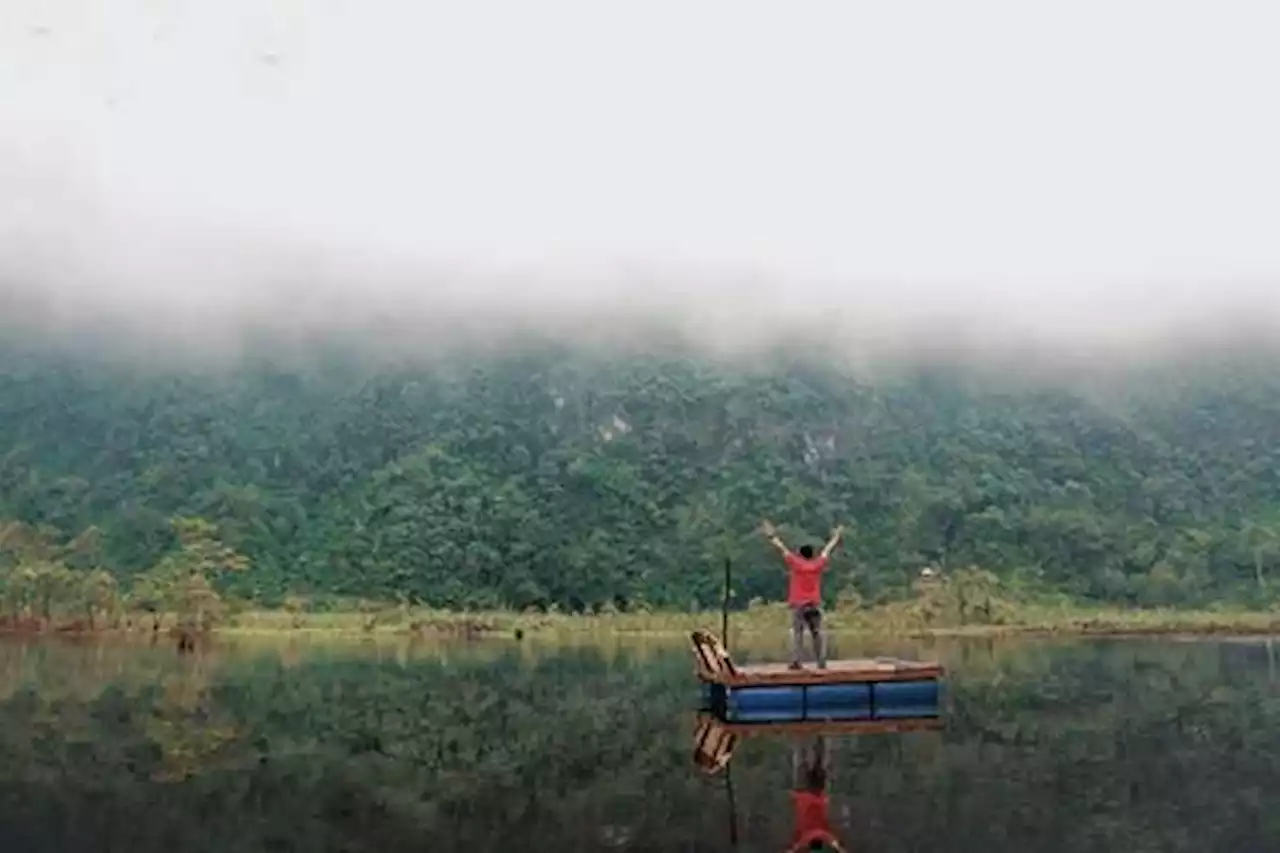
(711, 658)
(713, 665)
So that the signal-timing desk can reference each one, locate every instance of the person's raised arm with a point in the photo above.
(771, 533)
(833, 542)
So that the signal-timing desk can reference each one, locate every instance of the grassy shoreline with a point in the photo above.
(763, 621)
(766, 620)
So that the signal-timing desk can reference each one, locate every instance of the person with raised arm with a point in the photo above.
(804, 592)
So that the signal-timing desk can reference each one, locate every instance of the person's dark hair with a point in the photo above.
(817, 844)
(806, 551)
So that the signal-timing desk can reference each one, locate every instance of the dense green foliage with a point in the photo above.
(546, 477)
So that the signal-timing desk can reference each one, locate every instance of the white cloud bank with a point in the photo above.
(1084, 174)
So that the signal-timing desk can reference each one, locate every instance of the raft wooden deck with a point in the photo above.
(851, 671)
(714, 666)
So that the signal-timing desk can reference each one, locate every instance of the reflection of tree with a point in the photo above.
(1054, 748)
(186, 725)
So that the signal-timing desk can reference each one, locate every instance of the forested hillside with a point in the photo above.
(545, 476)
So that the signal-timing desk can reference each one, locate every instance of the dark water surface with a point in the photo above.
(1071, 746)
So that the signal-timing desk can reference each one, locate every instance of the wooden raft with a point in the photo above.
(714, 666)
(714, 740)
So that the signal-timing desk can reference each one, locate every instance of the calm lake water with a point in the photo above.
(501, 746)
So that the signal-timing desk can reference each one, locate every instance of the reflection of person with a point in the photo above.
(804, 592)
(809, 764)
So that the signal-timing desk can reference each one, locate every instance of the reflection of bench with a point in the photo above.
(712, 658)
(713, 745)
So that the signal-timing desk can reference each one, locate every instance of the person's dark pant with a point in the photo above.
(810, 616)
(809, 764)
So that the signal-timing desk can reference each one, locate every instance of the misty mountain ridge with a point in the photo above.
(553, 473)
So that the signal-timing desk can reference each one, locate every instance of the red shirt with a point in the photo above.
(810, 819)
(806, 579)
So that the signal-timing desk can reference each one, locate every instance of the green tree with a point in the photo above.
(180, 581)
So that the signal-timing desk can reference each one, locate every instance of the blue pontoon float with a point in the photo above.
(858, 690)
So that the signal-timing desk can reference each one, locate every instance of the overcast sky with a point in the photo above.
(1079, 169)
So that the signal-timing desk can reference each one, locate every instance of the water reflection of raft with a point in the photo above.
(714, 740)
(712, 728)
(846, 690)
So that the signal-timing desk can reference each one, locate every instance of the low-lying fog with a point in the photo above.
(935, 176)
